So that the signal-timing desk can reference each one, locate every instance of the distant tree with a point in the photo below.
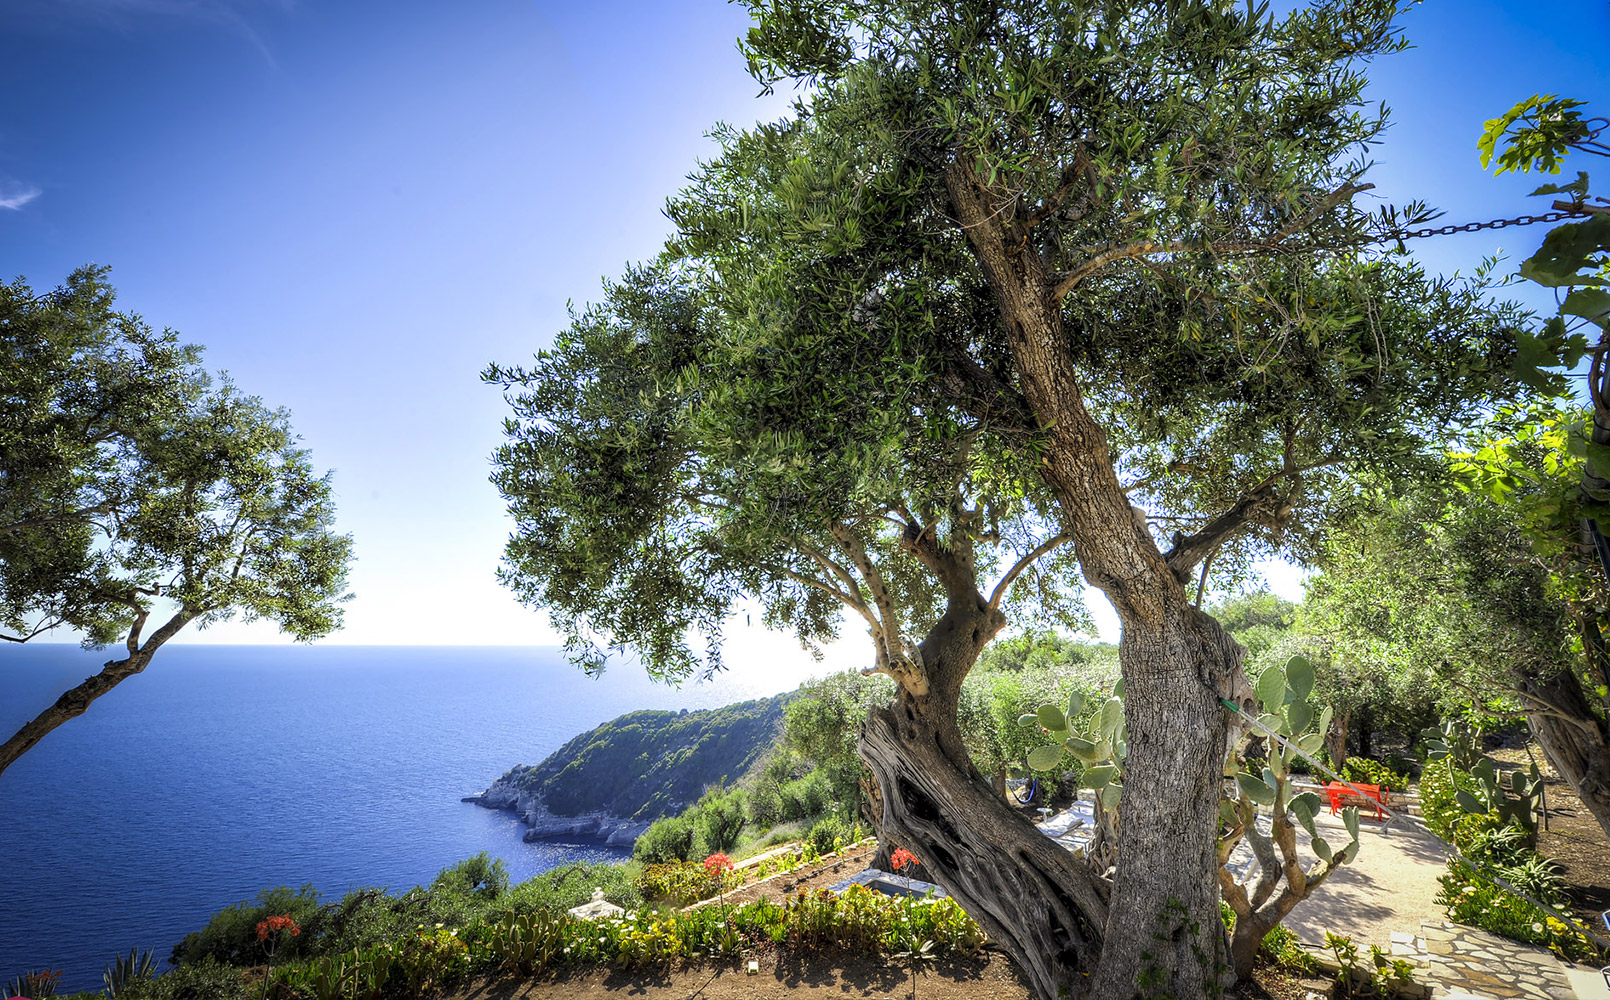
(1489, 588)
(131, 485)
(1257, 619)
(1034, 649)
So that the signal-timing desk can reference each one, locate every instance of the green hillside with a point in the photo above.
(648, 764)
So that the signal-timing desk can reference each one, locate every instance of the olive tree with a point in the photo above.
(132, 485)
(1099, 256)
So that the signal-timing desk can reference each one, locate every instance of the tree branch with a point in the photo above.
(1147, 248)
(76, 701)
(1022, 564)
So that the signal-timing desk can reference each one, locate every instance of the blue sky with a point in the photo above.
(356, 206)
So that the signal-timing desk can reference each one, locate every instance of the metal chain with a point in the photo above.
(1473, 227)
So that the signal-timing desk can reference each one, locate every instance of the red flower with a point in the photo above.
(716, 863)
(903, 858)
(278, 923)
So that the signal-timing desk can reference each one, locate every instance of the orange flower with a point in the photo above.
(271, 925)
(716, 863)
(903, 858)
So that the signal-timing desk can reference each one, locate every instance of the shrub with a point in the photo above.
(1473, 901)
(1283, 949)
(832, 833)
(558, 890)
(1373, 772)
(481, 875)
(204, 979)
(683, 883)
(806, 797)
(1440, 784)
(230, 937)
(666, 840)
(718, 820)
(764, 804)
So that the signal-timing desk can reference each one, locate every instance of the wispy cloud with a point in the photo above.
(13, 196)
(233, 15)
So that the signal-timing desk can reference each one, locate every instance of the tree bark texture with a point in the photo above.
(1032, 897)
(1578, 747)
(1162, 934)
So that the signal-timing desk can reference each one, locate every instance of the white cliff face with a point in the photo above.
(505, 793)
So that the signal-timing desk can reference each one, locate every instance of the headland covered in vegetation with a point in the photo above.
(611, 782)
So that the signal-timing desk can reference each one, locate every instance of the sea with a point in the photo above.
(224, 770)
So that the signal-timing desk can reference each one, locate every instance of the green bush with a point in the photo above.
(717, 820)
(1440, 783)
(558, 890)
(1373, 772)
(666, 840)
(1471, 900)
(806, 797)
(859, 920)
(684, 883)
(480, 875)
(230, 937)
(204, 979)
(763, 805)
(832, 833)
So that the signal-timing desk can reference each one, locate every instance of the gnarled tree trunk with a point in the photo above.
(1574, 739)
(1163, 928)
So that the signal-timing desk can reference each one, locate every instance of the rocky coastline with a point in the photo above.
(543, 824)
(608, 784)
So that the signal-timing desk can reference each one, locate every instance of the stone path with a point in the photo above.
(1464, 963)
(1390, 886)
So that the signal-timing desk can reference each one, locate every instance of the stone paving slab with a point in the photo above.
(1466, 963)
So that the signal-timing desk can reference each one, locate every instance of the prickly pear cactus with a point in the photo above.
(1514, 804)
(1454, 739)
(1101, 747)
(1271, 889)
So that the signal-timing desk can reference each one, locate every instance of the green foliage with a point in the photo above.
(132, 484)
(205, 980)
(1440, 785)
(809, 796)
(717, 820)
(230, 937)
(1536, 132)
(668, 839)
(820, 731)
(124, 972)
(1257, 620)
(480, 875)
(1455, 739)
(1474, 901)
(1373, 772)
(648, 764)
(1380, 976)
(832, 833)
(1282, 948)
(1512, 802)
(1040, 651)
(682, 883)
(560, 889)
(993, 702)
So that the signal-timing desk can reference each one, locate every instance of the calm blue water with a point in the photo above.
(223, 770)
